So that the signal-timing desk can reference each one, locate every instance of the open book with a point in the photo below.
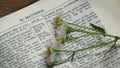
(23, 34)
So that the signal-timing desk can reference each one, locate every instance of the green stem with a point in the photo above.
(81, 26)
(116, 39)
(77, 30)
(73, 38)
(73, 56)
(91, 47)
(111, 35)
(63, 61)
(91, 29)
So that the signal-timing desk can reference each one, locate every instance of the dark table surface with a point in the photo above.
(9, 6)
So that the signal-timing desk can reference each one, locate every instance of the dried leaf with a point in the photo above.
(97, 28)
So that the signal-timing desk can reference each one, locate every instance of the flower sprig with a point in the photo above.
(62, 29)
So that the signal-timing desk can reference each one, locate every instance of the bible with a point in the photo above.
(24, 33)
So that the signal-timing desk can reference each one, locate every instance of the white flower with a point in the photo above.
(60, 31)
(49, 54)
(60, 28)
(58, 43)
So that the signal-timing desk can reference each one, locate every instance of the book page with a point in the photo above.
(117, 2)
(23, 36)
(109, 13)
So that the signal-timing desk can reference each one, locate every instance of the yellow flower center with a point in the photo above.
(48, 51)
(57, 21)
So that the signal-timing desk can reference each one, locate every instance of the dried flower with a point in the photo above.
(57, 21)
(58, 42)
(60, 31)
(49, 54)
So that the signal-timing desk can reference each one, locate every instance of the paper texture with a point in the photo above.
(109, 13)
(23, 36)
(117, 3)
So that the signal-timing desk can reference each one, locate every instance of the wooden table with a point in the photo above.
(9, 6)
